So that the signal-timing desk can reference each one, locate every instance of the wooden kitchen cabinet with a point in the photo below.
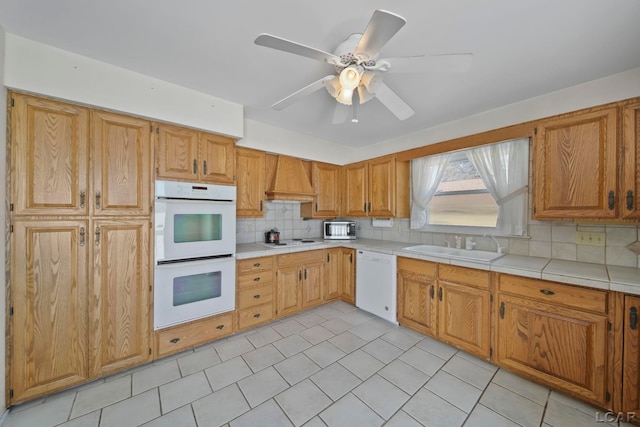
(464, 317)
(631, 356)
(554, 334)
(189, 155)
(250, 165)
(416, 295)
(120, 302)
(48, 341)
(185, 336)
(299, 281)
(630, 182)
(254, 291)
(49, 157)
(575, 165)
(339, 275)
(326, 182)
(377, 188)
(121, 165)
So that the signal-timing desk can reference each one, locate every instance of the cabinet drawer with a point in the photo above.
(555, 293)
(417, 266)
(253, 265)
(255, 315)
(466, 276)
(188, 335)
(300, 258)
(257, 278)
(255, 296)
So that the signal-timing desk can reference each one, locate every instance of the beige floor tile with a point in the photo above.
(336, 381)
(288, 327)
(455, 391)
(433, 411)
(347, 342)
(404, 376)
(361, 364)
(512, 406)
(89, 420)
(262, 357)
(229, 349)
(402, 419)
(227, 373)
(181, 417)
(291, 345)
(155, 375)
(381, 396)
(316, 334)
(440, 349)
(198, 361)
(481, 416)
(422, 360)
(264, 336)
(268, 414)
(382, 350)
(296, 368)
(400, 339)
(132, 412)
(101, 395)
(220, 407)
(50, 412)
(262, 386)
(324, 354)
(303, 401)
(350, 411)
(468, 372)
(521, 386)
(185, 390)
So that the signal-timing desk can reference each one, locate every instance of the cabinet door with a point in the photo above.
(355, 188)
(630, 196)
(218, 159)
(250, 168)
(48, 329)
(312, 285)
(416, 302)
(575, 166)
(177, 153)
(464, 318)
(288, 297)
(565, 348)
(120, 299)
(631, 357)
(382, 187)
(326, 183)
(50, 151)
(333, 274)
(348, 275)
(121, 160)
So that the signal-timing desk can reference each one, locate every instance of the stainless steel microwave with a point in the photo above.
(340, 230)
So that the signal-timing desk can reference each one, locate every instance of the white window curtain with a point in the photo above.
(504, 169)
(426, 173)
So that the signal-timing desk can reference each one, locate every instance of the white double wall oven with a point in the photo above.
(195, 244)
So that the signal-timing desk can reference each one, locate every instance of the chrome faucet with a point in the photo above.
(500, 248)
(447, 242)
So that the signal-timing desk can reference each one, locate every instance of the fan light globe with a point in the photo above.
(350, 77)
(345, 96)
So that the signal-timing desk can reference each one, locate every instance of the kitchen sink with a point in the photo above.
(462, 254)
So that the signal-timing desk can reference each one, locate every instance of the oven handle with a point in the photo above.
(178, 200)
(196, 261)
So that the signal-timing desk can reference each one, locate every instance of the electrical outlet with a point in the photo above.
(590, 239)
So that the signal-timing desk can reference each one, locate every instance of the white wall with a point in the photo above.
(3, 174)
(608, 89)
(42, 69)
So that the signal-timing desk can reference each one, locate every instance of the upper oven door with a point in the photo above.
(194, 228)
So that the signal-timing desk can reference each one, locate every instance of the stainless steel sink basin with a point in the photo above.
(462, 254)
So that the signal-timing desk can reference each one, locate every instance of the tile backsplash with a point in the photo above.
(556, 240)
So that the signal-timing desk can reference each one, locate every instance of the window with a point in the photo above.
(460, 188)
(483, 187)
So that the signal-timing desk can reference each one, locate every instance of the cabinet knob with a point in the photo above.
(256, 315)
(547, 292)
(174, 341)
(220, 327)
(257, 279)
(257, 264)
(257, 296)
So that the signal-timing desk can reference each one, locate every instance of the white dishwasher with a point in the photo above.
(376, 284)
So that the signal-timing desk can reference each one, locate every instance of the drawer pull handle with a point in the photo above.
(257, 296)
(175, 340)
(83, 196)
(256, 315)
(612, 200)
(257, 279)
(633, 318)
(257, 264)
(547, 292)
(630, 200)
(220, 327)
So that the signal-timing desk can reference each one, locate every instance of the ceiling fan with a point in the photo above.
(359, 71)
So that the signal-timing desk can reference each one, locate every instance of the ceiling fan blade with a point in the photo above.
(340, 113)
(285, 45)
(307, 90)
(381, 27)
(393, 102)
(449, 63)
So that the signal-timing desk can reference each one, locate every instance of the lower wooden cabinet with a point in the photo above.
(416, 295)
(339, 276)
(187, 335)
(299, 281)
(554, 334)
(631, 357)
(254, 291)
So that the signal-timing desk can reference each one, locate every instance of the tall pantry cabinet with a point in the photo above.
(80, 217)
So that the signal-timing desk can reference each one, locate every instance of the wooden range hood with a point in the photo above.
(290, 181)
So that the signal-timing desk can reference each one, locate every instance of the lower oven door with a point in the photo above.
(190, 290)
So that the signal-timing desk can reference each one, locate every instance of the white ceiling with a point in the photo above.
(521, 49)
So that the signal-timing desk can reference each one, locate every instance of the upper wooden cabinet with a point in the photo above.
(190, 155)
(575, 165)
(630, 187)
(326, 182)
(250, 183)
(378, 187)
(121, 163)
(49, 157)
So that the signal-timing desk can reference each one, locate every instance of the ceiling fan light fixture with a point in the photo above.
(345, 96)
(350, 77)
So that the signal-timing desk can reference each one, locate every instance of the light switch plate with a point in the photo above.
(590, 239)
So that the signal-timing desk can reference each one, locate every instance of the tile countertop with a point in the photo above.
(600, 276)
